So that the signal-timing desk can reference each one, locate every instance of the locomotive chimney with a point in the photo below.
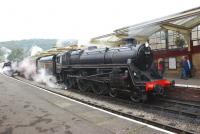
(130, 42)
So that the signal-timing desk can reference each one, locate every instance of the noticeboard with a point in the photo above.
(172, 63)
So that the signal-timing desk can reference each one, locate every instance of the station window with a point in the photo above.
(157, 40)
(196, 35)
(172, 36)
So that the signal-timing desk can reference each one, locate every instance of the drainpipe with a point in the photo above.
(166, 39)
(190, 47)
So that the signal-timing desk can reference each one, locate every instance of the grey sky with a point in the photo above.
(79, 19)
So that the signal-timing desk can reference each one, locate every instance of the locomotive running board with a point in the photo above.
(96, 66)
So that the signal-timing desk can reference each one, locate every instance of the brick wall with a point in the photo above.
(196, 64)
(177, 72)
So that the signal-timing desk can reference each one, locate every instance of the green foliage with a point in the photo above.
(16, 55)
(1, 55)
(45, 44)
(21, 48)
(180, 42)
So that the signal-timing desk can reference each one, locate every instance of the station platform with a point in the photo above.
(190, 82)
(185, 90)
(29, 109)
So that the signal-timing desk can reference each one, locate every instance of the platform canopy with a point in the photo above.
(57, 50)
(182, 22)
(112, 39)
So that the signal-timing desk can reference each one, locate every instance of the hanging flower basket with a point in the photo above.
(179, 42)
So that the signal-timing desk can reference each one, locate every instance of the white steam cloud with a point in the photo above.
(35, 50)
(1, 67)
(27, 69)
(43, 77)
(7, 71)
(6, 52)
(64, 43)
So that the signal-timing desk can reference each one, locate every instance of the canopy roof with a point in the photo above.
(55, 51)
(182, 22)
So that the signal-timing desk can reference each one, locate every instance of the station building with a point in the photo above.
(171, 38)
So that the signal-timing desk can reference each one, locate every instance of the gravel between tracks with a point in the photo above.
(178, 121)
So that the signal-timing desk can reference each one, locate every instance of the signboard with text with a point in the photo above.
(172, 63)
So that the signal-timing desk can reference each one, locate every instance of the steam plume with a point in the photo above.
(64, 43)
(27, 68)
(5, 53)
(35, 50)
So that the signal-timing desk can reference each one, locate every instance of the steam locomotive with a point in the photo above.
(108, 71)
(7, 69)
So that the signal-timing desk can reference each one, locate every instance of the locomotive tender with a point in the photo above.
(109, 71)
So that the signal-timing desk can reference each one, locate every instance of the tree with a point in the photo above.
(16, 55)
(1, 55)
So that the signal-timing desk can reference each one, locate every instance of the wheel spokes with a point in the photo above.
(113, 92)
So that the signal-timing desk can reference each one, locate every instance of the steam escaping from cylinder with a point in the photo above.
(27, 69)
(43, 77)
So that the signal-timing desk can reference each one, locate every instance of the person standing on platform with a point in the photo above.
(182, 66)
(189, 67)
(186, 67)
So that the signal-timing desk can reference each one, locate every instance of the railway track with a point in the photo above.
(129, 113)
(180, 107)
(171, 106)
(189, 104)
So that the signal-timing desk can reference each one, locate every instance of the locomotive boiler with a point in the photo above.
(111, 71)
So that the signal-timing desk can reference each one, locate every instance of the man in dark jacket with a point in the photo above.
(188, 67)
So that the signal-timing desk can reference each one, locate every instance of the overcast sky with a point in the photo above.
(79, 19)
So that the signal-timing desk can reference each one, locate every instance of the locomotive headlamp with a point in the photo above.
(146, 44)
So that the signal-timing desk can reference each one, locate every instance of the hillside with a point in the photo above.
(45, 44)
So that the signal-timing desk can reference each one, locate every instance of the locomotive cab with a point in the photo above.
(47, 63)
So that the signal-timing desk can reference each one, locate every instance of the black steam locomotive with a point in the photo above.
(7, 69)
(108, 71)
